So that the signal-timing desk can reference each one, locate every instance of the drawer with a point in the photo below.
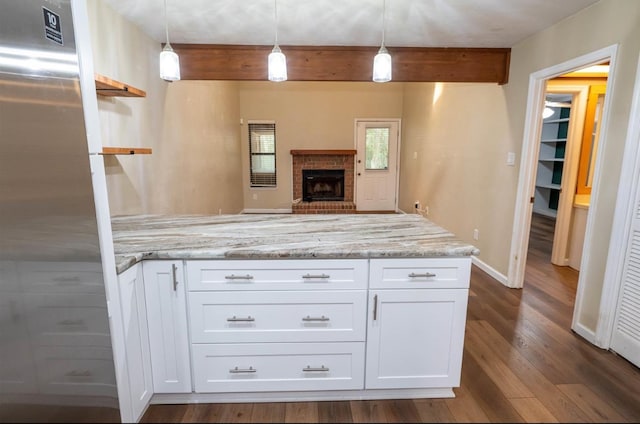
(260, 367)
(320, 274)
(50, 277)
(278, 316)
(67, 319)
(420, 273)
(81, 371)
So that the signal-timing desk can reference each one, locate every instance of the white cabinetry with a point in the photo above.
(136, 332)
(164, 287)
(254, 330)
(417, 311)
(277, 325)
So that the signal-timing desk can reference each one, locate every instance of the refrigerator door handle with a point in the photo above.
(174, 268)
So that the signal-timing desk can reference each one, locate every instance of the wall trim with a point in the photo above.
(491, 271)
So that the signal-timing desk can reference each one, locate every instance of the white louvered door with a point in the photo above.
(626, 331)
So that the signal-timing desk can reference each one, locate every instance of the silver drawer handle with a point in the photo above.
(308, 368)
(426, 274)
(309, 276)
(322, 318)
(237, 370)
(235, 319)
(239, 277)
(85, 373)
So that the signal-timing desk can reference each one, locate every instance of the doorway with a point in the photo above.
(526, 185)
(377, 157)
(570, 131)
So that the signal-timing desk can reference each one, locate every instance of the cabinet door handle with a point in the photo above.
(375, 307)
(237, 370)
(322, 368)
(425, 275)
(239, 277)
(236, 319)
(317, 276)
(174, 269)
(309, 318)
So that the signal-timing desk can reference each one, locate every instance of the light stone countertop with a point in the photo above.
(281, 236)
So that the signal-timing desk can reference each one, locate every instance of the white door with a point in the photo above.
(377, 144)
(136, 331)
(165, 298)
(626, 331)
(415, 338)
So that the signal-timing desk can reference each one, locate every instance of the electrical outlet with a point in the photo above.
(255, 196)
(475, 234)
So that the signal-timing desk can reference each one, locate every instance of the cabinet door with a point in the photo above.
(136, 332)
(164, 288)
(415, 338)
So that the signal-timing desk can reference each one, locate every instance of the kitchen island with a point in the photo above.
(278, 307)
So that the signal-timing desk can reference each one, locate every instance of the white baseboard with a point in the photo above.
(502, 279)
(266, 211)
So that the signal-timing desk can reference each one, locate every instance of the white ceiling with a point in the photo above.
(409, 23)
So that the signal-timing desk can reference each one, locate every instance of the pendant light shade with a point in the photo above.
(382, 61)
(169, 64)
(277, 63)
(169, 60)
(382, 66)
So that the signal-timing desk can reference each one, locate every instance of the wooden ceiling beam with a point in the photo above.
(338, 63)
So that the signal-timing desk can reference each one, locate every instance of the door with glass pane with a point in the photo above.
(377, 145)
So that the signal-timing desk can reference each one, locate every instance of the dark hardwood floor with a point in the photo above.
(522, 363)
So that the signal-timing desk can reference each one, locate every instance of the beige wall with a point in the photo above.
(192, 128)
(455, 139)
(308, 115)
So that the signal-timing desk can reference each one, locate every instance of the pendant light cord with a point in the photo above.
(276, 18)
(166, 22)
(384, 13)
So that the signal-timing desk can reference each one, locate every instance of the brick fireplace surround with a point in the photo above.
(323, 159)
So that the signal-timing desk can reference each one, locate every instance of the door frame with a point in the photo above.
(526, 178)
(398, 121)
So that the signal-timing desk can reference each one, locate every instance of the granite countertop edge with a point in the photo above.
(268, 237)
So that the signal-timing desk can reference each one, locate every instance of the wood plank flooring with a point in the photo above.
(521, 363)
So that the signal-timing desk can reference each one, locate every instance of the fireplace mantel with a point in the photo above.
(323, 152)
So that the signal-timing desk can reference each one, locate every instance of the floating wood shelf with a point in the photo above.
(112, 88)
(126, 151)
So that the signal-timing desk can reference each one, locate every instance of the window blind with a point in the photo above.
(262, 155)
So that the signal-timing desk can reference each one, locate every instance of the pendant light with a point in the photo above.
(169, 61)
(277, 61)
(382, 61)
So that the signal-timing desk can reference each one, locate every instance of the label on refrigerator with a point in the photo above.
(52, 28)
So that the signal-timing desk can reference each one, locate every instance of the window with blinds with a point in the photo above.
(262, 154)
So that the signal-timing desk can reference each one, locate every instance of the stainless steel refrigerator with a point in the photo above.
(56, 357)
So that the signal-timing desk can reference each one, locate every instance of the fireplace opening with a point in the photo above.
(322, 184)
